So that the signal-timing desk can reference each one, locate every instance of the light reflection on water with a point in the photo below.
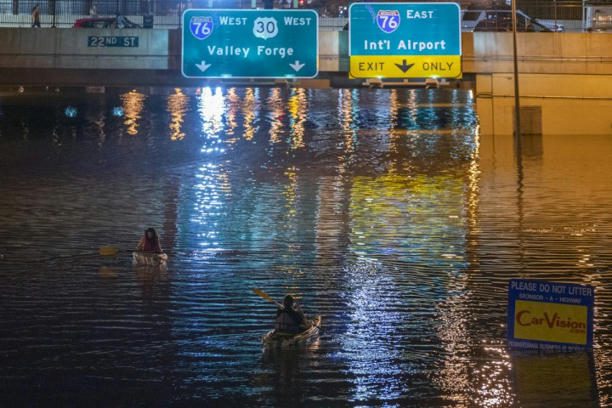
(177, 106)
(133, 103)
(384, 211)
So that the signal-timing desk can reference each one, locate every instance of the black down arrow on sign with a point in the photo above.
(404, 67)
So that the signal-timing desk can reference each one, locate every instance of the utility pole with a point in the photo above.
(517, 101)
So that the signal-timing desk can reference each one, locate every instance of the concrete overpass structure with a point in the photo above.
(559, 66)
(47, 51)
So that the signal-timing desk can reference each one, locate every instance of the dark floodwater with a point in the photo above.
(384, 211)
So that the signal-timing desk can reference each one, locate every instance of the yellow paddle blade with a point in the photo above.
(264, 295)
(109, 250)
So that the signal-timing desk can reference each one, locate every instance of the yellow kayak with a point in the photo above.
(272, 339)
(149, 258)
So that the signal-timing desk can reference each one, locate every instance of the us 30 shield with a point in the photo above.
(265, 27)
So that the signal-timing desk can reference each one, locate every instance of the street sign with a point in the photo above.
(550, 315)
(220, 43)
(130, 41)
(405, 40)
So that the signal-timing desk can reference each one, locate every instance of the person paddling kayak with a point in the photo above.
(149, 242)
(148, 251)
(289, 318)
(291, 329)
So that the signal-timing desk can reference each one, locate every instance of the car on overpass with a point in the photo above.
(105, 22)
(501, 20)
(598, 18)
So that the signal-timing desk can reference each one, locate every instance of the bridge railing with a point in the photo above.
(166, 13)
(551, 10)
(64, 13)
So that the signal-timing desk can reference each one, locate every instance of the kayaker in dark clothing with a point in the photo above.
(289, 318)
(150, 242)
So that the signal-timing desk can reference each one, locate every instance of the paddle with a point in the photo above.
(264, 295)
(110, 250)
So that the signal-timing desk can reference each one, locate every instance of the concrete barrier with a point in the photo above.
(84, 48)
(576, 55)
(550, 53)
(543, 53)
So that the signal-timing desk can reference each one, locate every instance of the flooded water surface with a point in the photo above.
(386, 212)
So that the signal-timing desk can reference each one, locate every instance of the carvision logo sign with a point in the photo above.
(550, 322)
(525, 318)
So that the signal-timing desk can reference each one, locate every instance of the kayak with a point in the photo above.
(272, 339)
(149, 259)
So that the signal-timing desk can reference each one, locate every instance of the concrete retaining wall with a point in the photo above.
(70, 49)
(570, 103)
(544, 53)
(333, 51)
(159, 50)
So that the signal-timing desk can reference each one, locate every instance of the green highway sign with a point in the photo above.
(219, 43)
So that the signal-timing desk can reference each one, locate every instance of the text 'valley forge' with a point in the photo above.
(250, 43)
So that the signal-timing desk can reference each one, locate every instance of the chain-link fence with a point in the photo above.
(166, 13)
(552, 9)
(64, 13)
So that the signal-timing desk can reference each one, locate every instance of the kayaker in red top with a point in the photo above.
(290, 319)
(150, 242)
